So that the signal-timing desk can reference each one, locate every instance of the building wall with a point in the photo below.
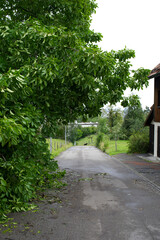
(87, 124)
(156, 125)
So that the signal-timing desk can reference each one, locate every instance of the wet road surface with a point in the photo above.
(143, 165)
(124, 205)
(104, 200)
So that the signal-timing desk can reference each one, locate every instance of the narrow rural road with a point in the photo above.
(103, 200)
(115, 202)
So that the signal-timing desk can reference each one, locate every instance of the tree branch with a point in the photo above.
(28, 11)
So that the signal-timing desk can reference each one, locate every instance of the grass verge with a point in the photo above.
(58, 146)
(122, 147)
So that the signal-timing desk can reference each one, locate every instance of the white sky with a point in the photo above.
(136, 25)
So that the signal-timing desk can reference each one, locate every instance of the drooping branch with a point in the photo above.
(28, 11)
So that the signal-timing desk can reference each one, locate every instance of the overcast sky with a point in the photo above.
(134, 24)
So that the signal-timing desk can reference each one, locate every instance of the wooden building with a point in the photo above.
(153, 119)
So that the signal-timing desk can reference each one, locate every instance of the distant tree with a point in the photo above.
(74, 133)
(109, 123)
(102, 125)
(134, 117)
(147, 111)
(77, 132)
(114, 119)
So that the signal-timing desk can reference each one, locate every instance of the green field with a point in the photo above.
(122, 145)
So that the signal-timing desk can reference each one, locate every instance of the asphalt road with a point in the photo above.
(103, 200)
(119, 204)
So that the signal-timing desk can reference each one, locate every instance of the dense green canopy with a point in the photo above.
(50, 61)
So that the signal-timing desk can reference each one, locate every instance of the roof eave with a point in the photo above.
(154, 75)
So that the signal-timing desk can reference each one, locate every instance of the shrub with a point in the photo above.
(106, 144)
(99, 139)
(102, 142)
(139, 143)
(24, 169)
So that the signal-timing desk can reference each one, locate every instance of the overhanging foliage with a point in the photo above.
(51, 71)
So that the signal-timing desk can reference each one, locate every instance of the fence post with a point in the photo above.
(50, 145)
(65, 135)
(116, 143)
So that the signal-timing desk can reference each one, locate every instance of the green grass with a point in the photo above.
(58, 146)
(90, 140)
(122, 145)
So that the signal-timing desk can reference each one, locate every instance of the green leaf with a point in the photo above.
(9, 90)
(3, 182)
